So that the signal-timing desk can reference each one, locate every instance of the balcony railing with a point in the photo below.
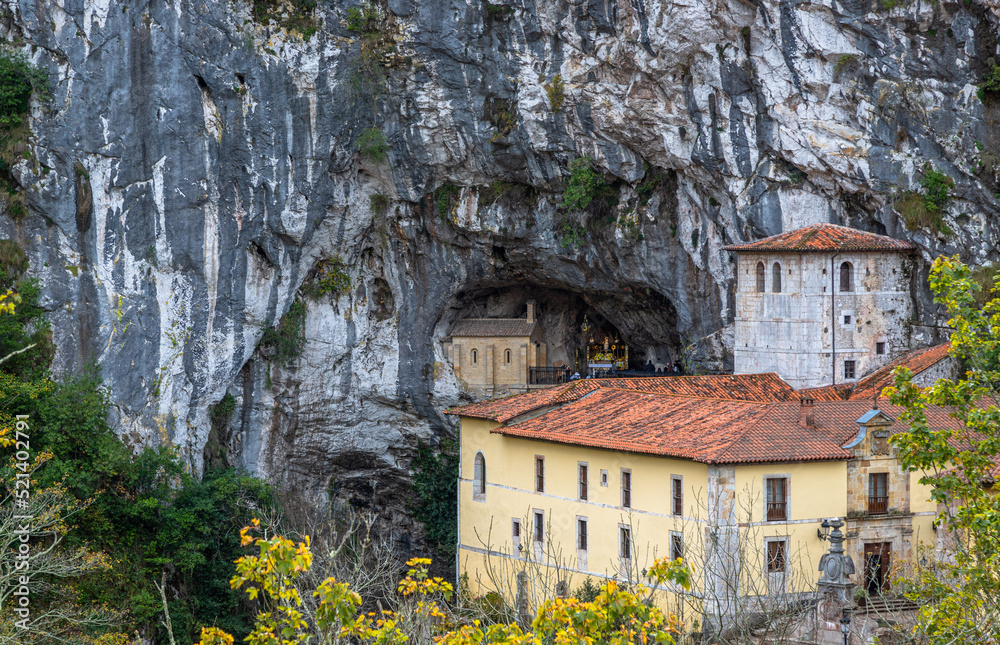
(547, 375)
(776, 511)
(878, 505)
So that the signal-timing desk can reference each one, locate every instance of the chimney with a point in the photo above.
(806, 407)
(531, 311)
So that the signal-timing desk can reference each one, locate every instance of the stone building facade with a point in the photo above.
(493, 356)
(822, 305)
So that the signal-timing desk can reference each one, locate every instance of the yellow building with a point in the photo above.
(597, 478)
(494, 356)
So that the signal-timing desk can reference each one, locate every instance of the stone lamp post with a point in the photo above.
(835, 586)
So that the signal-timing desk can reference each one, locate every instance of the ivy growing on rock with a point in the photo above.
(328, 277)
(19, 82)
(284, 343)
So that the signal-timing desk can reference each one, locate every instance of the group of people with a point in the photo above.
(670, 369)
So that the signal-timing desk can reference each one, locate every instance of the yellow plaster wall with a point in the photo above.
(510, 493)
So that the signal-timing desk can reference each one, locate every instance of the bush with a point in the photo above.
(285, 342)
(328, 277)
(936, 187)
(571, 233)
(298, 16)
(378, 204)
(582, 186)
(435, 474)
(444, 197)
(372, 144)
(19, 80)
(556, 90)
(990, 81)
(925, 210)
(366, 21)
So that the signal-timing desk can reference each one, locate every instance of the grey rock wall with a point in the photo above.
(219, 165)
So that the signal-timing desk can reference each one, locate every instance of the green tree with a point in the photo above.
(961, 593)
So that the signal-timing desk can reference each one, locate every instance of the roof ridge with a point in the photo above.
(685, 395)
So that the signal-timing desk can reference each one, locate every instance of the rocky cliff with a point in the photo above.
(198, 162)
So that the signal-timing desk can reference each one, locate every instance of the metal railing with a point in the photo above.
(547, 375)
(878, 505)
(776, 511)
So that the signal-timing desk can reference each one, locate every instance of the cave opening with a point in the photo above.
(574, 324)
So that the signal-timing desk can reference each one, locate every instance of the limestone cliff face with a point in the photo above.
(217, 161)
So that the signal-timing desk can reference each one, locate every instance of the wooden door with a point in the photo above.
(877, 560)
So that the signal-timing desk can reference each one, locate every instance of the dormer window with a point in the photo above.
(776, 278)
(760, 277)
(846, 277)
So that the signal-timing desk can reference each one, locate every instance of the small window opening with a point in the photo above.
(581, 532)
(479, 478)
(847, 320)
(776, 278)
(776, 556)
(540, 474)
(506, 356)
(880, 348)
(625, 543)
(475, 357)
(846, 277)
(760, 277)
(849, 369)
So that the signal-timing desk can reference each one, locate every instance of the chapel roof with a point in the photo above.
(494, 327)
(824, 238)
(917, 360)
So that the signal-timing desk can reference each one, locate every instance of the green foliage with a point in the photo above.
(498, 11)
(366, 21)
(925, 210)
(556, 91)
(378, 204)
(372, 144)
(19, 80)
(220, 413)
(328, 277)
(959, 595)
(502, 115)
(583, 184)
(285, 342)
(435, 474)
(936, 186)
(587, 592)
(444, 198)
(27, 325)
(298, 16)
(844, 61)
(571, 233)
(989, 83)
(652, 179)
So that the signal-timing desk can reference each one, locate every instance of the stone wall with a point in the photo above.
(501, 365)
(790, 332)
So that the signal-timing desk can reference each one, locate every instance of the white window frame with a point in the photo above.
(675, 536)
(604, 478)
(515, 540)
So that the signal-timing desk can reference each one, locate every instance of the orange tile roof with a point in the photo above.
(826, 392)
(711, 431)
(917, 360)
(742, 387)
(764, 387)
(825, 237)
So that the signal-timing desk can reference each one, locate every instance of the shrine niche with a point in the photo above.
(605, 352)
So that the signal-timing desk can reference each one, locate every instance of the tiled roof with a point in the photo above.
(827, 392)
(493, 327)
(742, 387)
(917, 360)
(513, 406)
(706, 430)
(825, 237)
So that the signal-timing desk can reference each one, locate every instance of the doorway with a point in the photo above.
(877, 560)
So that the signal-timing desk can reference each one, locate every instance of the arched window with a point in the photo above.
(776, 278)
(475, 357)
(846, 277)
(760, 277)
(506, 356)
(479, 476)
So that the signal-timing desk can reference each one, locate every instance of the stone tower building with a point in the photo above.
(821, 305)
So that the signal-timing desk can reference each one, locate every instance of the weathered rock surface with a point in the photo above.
(220, 165)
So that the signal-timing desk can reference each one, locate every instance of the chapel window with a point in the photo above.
(846, 277)
(506, 356)
(776, 278)
(479, 478)
(760, 277)
(475, 357)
